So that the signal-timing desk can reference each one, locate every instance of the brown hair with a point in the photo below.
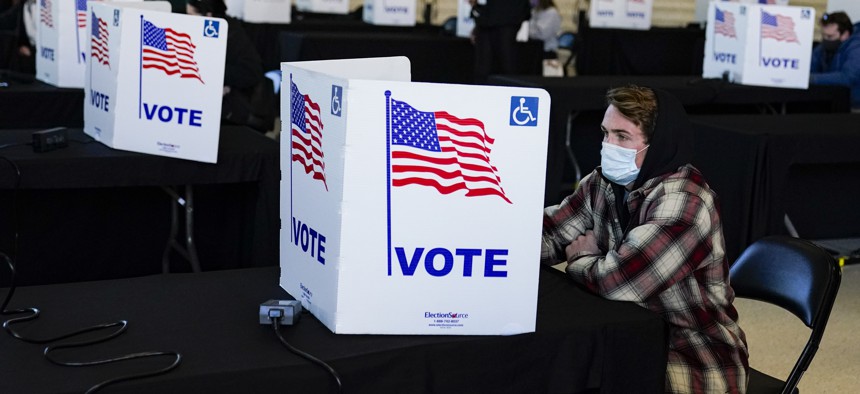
(636, 103)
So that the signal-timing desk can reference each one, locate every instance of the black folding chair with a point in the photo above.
(797, 276)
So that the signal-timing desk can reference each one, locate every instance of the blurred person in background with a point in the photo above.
(836, 60)
(494, 35)
(248, 98)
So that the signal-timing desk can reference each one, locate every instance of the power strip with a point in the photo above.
(286, 311)
(50, 139)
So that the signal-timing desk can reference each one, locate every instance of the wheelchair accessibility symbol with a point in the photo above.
(524, 111)
(211, 28)
(336, 97)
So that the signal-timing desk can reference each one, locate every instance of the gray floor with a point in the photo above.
(776, 338)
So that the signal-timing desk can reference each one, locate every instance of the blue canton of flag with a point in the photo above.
(306, 134)
(442, 151)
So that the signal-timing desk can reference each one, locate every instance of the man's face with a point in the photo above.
(831, 32)
(618, 130)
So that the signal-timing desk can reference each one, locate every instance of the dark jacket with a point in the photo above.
(501, 13)
(843, 69)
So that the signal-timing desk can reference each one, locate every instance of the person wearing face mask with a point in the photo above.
(645, 227)
(836, 60)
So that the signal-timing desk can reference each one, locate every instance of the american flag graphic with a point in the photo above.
(45, 13)
(169, 51)
(778, 27)
(307, 130)
(81, 11)
(442, 151)
(725, 23)
(99, 43)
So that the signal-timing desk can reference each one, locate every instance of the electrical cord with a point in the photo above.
(33, 313)
(276, 325)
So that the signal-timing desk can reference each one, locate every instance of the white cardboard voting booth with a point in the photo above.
(702, 6)
(323, 6)
(60, 59)
(260, 11)
(389, 12)
(621, 14)
(154, 82)
(410, 208)
(763, 45)
(62, 40)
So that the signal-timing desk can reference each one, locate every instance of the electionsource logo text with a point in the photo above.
(448, 315)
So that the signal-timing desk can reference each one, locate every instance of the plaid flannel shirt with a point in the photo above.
(670, 260)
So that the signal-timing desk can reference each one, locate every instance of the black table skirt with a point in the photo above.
(29, 103)
(657, 51)
(211, 318)
(89, 212)
(763, 167)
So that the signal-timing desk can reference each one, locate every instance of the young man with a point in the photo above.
(836, 61)
(644, 227)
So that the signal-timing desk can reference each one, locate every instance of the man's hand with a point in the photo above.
(585, 243)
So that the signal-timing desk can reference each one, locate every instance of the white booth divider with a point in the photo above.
(154, 81)
(410, 208)
(621, 14)
(762, 45)
(389, 12)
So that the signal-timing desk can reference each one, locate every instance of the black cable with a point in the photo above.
(11, 144)
(276, 325)
(33, 313)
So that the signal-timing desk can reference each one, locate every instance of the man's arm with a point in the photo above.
(672, 242)
(848, 74)
(563, 223)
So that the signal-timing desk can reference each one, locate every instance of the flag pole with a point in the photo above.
(388, 169)
(78, 36)
(140, 74)
(291, 158)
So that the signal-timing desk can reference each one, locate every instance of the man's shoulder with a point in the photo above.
(687, 179)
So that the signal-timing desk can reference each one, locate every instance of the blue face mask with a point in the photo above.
(619, 164)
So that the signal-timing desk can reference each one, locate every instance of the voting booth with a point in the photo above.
(323, 6)
(154, 81)
(60, 57)
(260, 11)
(389, 12)
(702, 6)
(62, 40)
(410, 208)
(621, 14)
(763, 45)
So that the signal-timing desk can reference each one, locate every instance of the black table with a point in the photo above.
(83, 208)
(581, 341)
(657, 51)
(438, 59)
(764, 167)
(29, 103)
(578, 104)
